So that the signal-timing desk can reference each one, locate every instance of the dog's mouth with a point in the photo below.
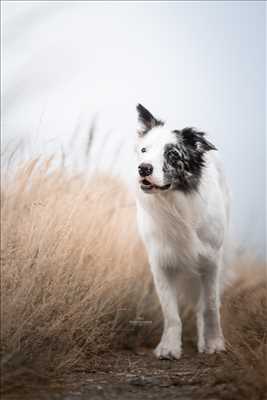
(147, 186)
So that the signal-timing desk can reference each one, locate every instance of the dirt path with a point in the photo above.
(129, 375)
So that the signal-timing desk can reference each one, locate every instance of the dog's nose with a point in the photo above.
(145, 169)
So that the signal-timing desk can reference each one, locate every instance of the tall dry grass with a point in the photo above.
(74, 275)
(244, 316)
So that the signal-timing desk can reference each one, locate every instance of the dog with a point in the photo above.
(183, 206)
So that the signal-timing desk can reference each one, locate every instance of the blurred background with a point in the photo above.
(73, 68)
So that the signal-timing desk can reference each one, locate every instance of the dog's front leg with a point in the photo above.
(210, 336)
(165, 282)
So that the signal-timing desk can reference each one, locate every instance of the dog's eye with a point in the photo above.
(143, 150)
(173, 157)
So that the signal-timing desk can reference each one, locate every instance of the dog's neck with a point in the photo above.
(172, 205)
(177, 202)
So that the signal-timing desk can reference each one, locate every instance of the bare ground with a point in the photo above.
(142, 376)
(139, 375)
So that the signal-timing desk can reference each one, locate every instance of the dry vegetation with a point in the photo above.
(244, 314)
(74, 275)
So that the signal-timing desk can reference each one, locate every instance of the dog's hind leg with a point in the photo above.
(210, 336)
(166, 286)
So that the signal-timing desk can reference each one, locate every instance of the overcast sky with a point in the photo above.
(196, 64)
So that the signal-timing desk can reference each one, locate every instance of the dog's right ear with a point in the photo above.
(146, 120)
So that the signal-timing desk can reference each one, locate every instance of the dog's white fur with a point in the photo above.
(185, 236)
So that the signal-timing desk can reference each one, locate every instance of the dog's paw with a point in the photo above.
(215, 345)
(201, 345)
(166, 352)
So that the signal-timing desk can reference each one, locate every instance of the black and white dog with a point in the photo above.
(183, 217)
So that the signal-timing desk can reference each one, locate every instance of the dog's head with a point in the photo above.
(169, 159)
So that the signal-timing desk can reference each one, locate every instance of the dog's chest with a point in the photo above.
(168, 230)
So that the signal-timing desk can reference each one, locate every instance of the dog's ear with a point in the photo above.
(204, 145)
(146, 120)
(197, 140)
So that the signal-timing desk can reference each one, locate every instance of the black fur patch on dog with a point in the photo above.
(184, 161)
(146, 120)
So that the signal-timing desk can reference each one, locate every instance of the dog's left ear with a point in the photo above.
(197, 140)
(146, 120)
(204, 145)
